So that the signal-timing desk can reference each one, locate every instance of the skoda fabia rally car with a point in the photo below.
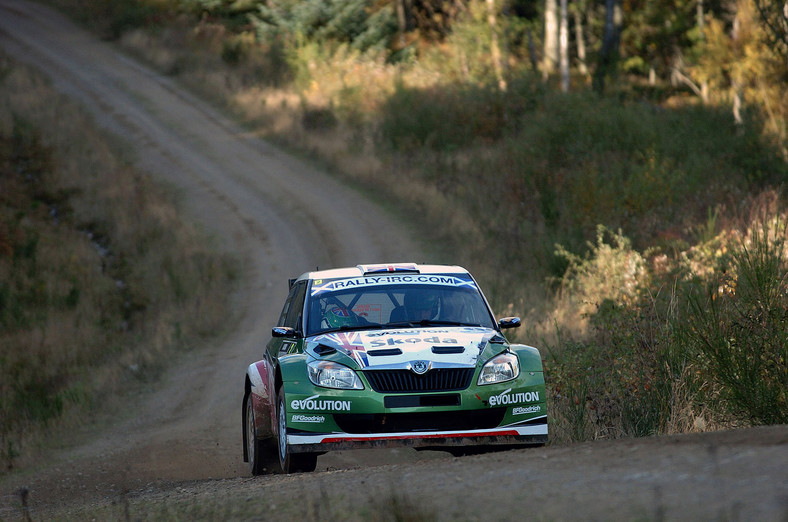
(389, 355)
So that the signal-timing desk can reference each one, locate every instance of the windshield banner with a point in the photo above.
(320, 285)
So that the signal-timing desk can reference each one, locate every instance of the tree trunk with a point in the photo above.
(564, 47)
(404, 19)
(495, 49)
(735, 84)
(550, 58)
(532, 50)
(608, 55)
(704, 85)
(581, 41)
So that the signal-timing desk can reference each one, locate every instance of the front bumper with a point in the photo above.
(507, 413)
(534, 432)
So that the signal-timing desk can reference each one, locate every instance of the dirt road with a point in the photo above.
(283, 217)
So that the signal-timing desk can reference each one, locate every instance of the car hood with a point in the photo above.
(396, 348)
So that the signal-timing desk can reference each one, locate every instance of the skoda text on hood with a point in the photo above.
(412, 344)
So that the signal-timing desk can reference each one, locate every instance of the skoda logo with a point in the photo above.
(420, 367)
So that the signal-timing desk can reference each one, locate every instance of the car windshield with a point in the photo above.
(395, 302)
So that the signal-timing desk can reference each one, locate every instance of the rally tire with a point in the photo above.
(289, 462)
(259, 452)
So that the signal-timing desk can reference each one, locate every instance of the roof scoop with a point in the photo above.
(322, 350)
(391, 268)
(441, 350)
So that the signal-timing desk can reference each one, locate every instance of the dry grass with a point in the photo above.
(91, 300)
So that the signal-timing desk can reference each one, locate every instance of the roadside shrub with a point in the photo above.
(629, 377)
(610, 272)
(701, 344)
(739, 322)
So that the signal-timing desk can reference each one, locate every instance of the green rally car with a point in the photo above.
(389, 355)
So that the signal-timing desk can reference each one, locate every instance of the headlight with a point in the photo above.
(501, 368)
(333, 375)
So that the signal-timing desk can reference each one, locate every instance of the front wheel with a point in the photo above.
(259, 452)
(290, 462)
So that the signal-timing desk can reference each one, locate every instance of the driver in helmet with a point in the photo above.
(337, 317)
(421, 305)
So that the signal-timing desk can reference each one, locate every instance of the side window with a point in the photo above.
(283, 316)
(285, 308)
(292, 316)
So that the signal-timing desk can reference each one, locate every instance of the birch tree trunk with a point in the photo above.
(495, 48)
(550, 58)
(564, 46)
(735, 80)
(580, 37)
(704, 85)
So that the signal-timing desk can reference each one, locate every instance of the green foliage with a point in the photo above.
(692, 349)
(355, 22)
(774, 17)
(448, 118)
(740, 323)
(553, 167)
(656, 29)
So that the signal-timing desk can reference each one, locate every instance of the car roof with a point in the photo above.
(382, 268)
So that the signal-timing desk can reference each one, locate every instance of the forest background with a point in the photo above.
(612, 171)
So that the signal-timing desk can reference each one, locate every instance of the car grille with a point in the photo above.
(428, 421)
(405, 381)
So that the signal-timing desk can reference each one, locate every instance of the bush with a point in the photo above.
(701, 344)
(450, 118)
(629, 378)
(739, 322)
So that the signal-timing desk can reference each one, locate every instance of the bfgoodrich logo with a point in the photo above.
(308, 418)
(527, 409)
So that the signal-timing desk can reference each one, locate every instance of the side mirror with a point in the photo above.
(509, 322)
(283, 331)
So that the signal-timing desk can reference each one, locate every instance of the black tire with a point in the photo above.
(258, 451)
(289, 462)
